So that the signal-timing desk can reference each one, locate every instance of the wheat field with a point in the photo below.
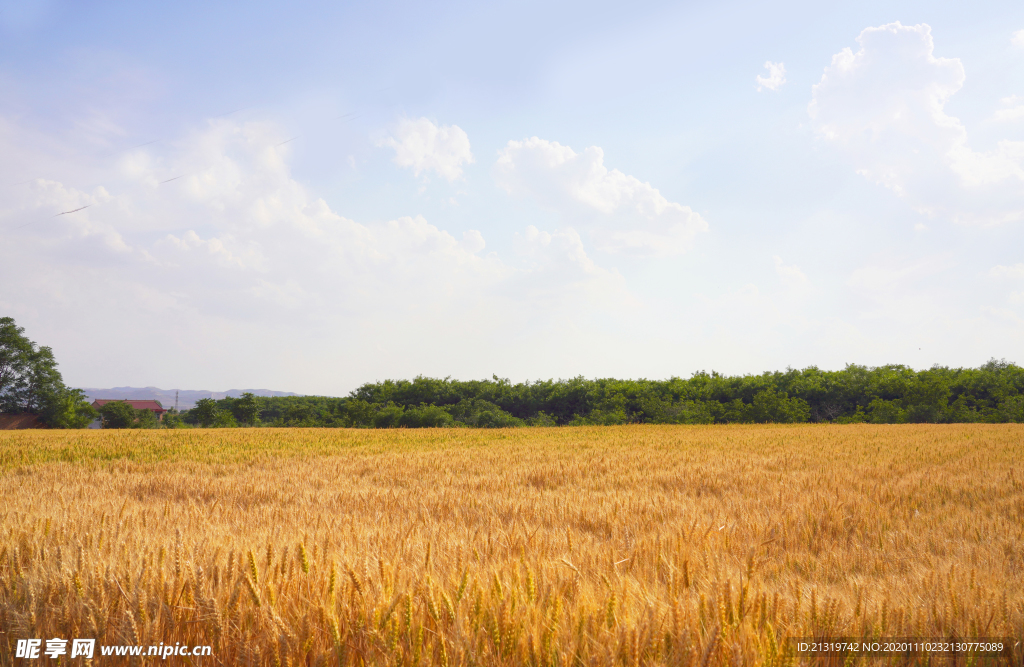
(634, 545)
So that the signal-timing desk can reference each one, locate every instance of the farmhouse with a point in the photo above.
(142, 404)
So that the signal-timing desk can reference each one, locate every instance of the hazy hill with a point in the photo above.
(186, 397)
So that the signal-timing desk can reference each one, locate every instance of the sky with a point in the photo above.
(311, 196)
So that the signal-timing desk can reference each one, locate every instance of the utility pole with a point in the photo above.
(175, 400)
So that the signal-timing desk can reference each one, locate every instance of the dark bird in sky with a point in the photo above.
(58, 214)
(74, 211)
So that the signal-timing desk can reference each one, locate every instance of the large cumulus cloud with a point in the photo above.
(884, 106)
(620, 212)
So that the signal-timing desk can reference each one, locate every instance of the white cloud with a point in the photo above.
(1018, 39)
(215, 248)
(559, 268)
(790, 274)
(236, 258)
(473, 241)
(558, 251)
(1013, 110)
(885, 107)
(776, 77)
(423, 146)
(620, 212)
(1013, 272)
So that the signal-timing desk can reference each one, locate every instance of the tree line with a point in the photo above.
(994, 392)
(891, 394)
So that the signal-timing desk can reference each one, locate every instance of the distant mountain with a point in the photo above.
(186, 397)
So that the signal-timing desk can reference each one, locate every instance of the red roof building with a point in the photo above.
(142, 404)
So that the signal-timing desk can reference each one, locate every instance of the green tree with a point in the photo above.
(357, 412)
(15, 355)
(173, 419)
(68, 408)
(119, 414)
(542, 419)
(146, 419)
(690, 412)
(205, 412)
(483, 414)
(773, 407)
(426, 416)
(300, 414)
(881, 411)
(1012, 409)
(388, 416)
(247, 409)
(30, 382)
(225, 420)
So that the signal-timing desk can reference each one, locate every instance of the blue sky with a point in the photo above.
(311, 197)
